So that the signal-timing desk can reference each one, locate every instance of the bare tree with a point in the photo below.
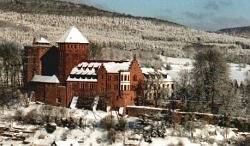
(10, 69)
(184, 85)
(211, 77)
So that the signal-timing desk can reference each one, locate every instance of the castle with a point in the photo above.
(56, 74)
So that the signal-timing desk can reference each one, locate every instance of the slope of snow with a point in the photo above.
(95, 135)
(237, 72)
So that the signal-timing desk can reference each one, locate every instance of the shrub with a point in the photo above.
(107, 122)
(121, 125)
(31, 117)
(18, 115)
(50, 128)
(111, 135)
(47, 112)
(41, 136)
(168, 66)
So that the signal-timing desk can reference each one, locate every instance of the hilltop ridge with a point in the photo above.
(237, 31)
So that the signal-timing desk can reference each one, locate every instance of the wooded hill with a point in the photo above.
(237, 31)
(113, 35)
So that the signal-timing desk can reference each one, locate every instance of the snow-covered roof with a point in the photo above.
(42, 40)
(166, 76)
(114, 67)
(73, 35)
(150, 72)
(146, 70)
(86, 71)
(45, 79)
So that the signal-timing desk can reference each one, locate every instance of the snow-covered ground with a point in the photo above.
(237, 72)
(92, 135)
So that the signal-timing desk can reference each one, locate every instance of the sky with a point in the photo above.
(200, 14)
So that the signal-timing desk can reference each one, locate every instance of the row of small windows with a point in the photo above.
(124, 77)
(159, 86)
(86, 86)
(125, 87)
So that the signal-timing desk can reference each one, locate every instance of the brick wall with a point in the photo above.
(70, 55)
(33, 61)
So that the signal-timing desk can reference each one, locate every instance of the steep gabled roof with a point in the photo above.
(73, 35)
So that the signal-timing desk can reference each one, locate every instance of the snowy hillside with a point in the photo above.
(238, 72)
(92, 133)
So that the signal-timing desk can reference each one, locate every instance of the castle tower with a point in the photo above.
(73, 49)
(34, 53)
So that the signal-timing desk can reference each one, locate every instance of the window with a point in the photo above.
(125, 77)
(172, 86)
(91, 86)
(102, 76)
(110, 77)
(121, 88)
(135, 78)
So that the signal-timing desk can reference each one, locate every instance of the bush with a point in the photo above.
(121, 125)
(168, 66)
(32, 117)
(50, 128)
(107, 122)
(111, 135)
(41, 136)
(18, 115)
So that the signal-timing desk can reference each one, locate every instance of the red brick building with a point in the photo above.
(58, 73)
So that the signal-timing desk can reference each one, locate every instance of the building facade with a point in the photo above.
(58, 73)
(157, 84)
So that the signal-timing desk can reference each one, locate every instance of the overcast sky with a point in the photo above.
(202, 14)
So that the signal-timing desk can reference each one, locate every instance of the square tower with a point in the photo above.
(73, 48)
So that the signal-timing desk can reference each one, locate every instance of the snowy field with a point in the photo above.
(237, 72)
(94, 135)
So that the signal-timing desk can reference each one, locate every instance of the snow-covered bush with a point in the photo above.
(18, 116)
(32, 117)
(108, 122)
(111, 135)
(121, 125)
